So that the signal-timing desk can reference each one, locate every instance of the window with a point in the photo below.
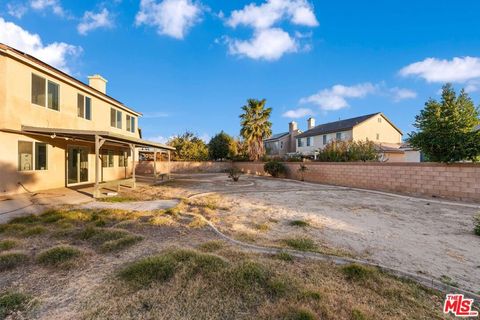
(107, 158)
(338, 136)
(379, 120)
(378, 136)
(84, 107)
(130, 123)
(122, 159)
(38, 90)
(300, 142)
(41, 162)
(115, 118)
(281, 145)
(324, 139)
(308, 141)
(25, 156)
(53, 95)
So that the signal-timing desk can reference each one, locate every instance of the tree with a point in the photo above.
(446, 129)
(221, 146)
(189, 147)
(255, 126)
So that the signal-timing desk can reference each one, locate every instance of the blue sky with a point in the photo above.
(191, 65)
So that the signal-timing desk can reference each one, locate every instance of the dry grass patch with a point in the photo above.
(299, 223)
(211, 246)
(60, 256)
(262, 227)
(11, 260)
(301, 244)
(8, 244)
(107, 240)
(12, 302)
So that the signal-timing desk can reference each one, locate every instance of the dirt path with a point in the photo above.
(422, 237)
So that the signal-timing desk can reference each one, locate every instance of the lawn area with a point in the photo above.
(74, 263)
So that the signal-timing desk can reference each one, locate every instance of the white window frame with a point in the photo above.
(46, 92)
(84, 106)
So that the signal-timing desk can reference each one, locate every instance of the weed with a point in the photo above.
(448, 281)
(7, 244)
(34, 231)
(357, 272)
(51, 216)
(162, 221)
(299, 223)
(117, 199)
(358, 315)
(262, 227)
(285, 256)
(12, 228)
(302, 244)
(197, 222)
(211, 246)
(60, 256)
(250, 273)
(311, 295)
(25, 220)
(298, 313)
(476, 229)
(11, 302)
(11, 260)
(119, 244)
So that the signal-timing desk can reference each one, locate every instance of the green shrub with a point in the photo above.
(249, 273)
(299, 223)
(161, 268)
(357, 272)
(477, 224)
(274, 168)
(343, 151)
(30, 219)
(302, 244)
(51, 216)
(285, 256)
(11, 302)
(211, 246)
(12, 228)
(59, 256)
(12, 260)
(119, 244)
(7, 244)
(34, 231)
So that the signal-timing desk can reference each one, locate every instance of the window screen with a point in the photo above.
(38, 90)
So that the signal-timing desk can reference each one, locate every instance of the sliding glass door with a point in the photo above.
(77, 165)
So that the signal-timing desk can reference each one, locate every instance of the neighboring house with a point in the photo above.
(56, 131)
(282, 143)
(411, 154)
(375, 127)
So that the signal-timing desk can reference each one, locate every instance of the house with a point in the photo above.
(57, 131)
(375, 127)
(283, 143)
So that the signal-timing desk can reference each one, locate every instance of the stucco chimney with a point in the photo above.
(310, 123)
(98, 82)
(292, 127)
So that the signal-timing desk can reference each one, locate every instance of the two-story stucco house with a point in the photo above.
(375, 127)
(280, 144)
(57, 131)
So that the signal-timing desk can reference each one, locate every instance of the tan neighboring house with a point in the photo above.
(375, 127)
(56, 131)
(281, 144)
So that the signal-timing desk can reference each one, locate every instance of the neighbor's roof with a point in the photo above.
(341, 125)
(5, 48)
(277, 136)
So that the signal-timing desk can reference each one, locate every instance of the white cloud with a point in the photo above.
(399, 94)
(298, 12)
(298, 113)
(335, 98)
(92, 21)
(159, 139)
(45, 4)
(459, 69)
(16, 10)
(55, 53)
(472, 86)
(171, 17)
(266, 44)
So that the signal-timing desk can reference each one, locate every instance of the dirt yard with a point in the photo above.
(414, 235)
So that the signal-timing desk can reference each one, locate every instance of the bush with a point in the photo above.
(11, 302)
(59, 256)
(477, 224)
(274, 168)
(119, 244)
(302, 244)
(7, 244)
(234, 173)
(357, 272)
(12, 260)
(344, 151)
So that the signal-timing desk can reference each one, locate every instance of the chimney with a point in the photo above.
(292, 127)
(98, 82)
(310, 123)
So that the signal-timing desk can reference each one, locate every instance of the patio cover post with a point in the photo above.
(132, 149)
(155, 165)
(169, 169)
(98, 144)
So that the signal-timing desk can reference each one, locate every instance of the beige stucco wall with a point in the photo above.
(16, 110)
(369, 129)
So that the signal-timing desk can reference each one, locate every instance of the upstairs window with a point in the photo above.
(115, 118)
(324, 139)
(130, 123)
(53, 95)
(338, 136)
(84, 107)
(379, 120)
(309, 141)
(38, 90)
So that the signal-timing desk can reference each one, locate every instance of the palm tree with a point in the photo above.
(255, 126)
